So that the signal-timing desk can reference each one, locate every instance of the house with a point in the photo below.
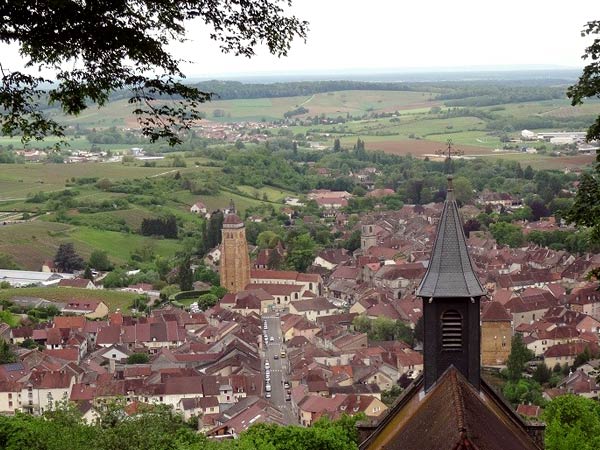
(313, 308)
(89, 309)
(44, 388)
(199, 208)
(562, 354)
(10, 397)
(80, 283)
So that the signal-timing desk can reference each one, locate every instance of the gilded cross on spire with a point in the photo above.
(449, 151)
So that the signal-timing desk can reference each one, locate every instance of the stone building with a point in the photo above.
(496, 334)
(235, 261)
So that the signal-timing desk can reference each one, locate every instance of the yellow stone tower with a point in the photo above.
(235, 261)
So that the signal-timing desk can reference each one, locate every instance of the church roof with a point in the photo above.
(450, 272)
(452, 416)
(232, 219)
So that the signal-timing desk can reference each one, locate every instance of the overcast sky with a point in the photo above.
(396, 34)
(380, 35)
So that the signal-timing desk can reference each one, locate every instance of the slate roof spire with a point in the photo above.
(450, 272)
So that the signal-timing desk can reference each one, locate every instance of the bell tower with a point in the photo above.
(368, 238)
(451, 293)
(235, 261)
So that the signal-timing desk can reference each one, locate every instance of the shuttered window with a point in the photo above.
(452, 330)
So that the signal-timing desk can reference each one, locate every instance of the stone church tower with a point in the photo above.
(235, 261)
(368, 238)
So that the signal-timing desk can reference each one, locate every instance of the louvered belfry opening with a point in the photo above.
(452, 329)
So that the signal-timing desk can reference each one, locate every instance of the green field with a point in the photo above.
(32, 243)
(113, 299)
(18, 180)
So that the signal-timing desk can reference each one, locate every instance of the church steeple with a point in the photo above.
(451, 291)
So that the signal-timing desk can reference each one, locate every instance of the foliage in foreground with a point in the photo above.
(159, 428)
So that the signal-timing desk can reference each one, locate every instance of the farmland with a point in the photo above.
(32, 243)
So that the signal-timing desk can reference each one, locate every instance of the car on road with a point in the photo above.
(288, 397)
(286, 384)
(283, 353)
(275, 356)
(268, 387)
(271, 339)
(267, 395)
(267, 364)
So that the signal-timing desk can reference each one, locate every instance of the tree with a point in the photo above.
(267, 239)
(507, 234)
(542, 373)
(7, 356)
(463, 190)
(99, 260)
(471, 225)
(519, 355)
(87, 273)
(301, 252)
(138, 358)
(528, 173)
(96, 48)
(353, 241)
(66, 260)
(185, 275)
(523, 391)
(572, 423)
(389, 397)
(588, 85)
(362, 324)
(337, 146)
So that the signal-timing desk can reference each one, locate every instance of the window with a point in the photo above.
(10, 404)
(451, 330)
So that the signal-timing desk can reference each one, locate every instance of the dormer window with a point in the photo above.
(452, 330)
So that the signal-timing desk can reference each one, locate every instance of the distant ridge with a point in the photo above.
(490, 73)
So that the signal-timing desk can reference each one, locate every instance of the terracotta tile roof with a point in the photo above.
(346, 272)
(276, 289)
(571, 349)
(495, 312)
(77, 322)
(81, 306)
(109, 335)
(82, 392)
(273, 274)
(67, 354)
(75, 282)
(50, 380)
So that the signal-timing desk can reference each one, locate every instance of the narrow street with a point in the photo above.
(278, 366)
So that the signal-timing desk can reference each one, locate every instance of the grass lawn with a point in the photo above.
(113, 299)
